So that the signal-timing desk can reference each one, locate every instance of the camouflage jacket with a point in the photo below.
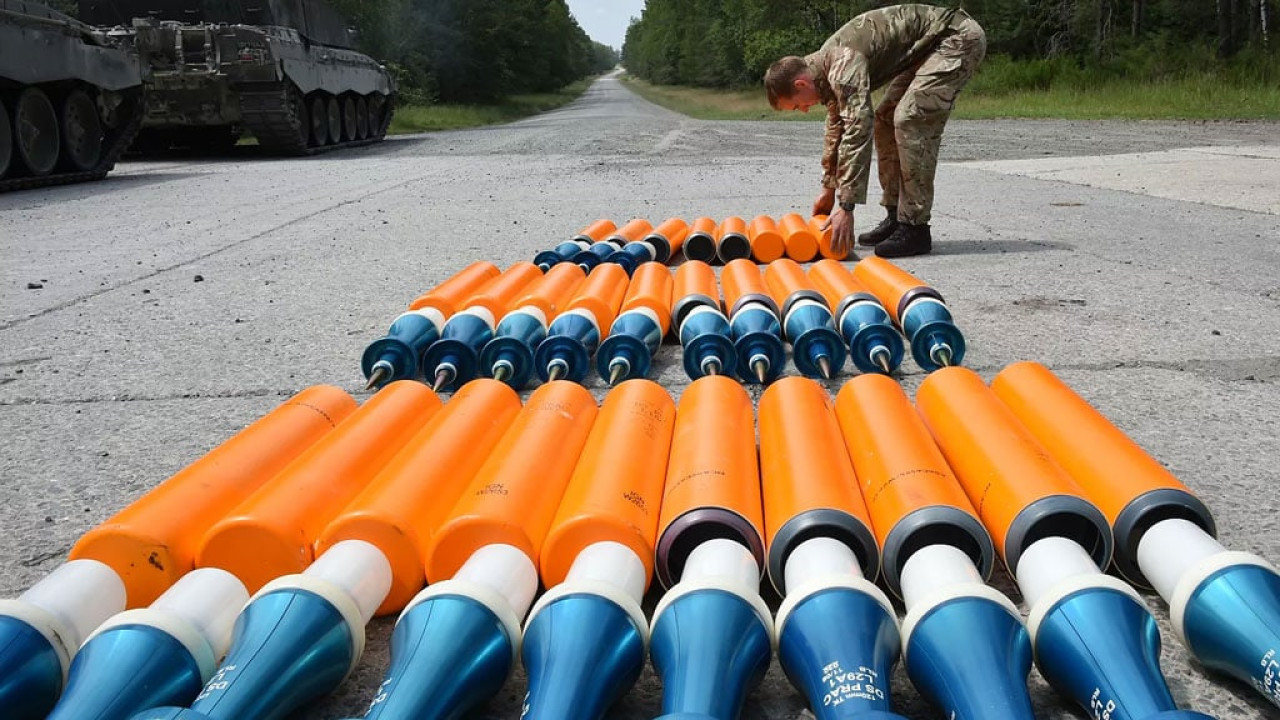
(866, 53)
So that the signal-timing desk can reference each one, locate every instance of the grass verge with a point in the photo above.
(420, 118)
(1198, 96)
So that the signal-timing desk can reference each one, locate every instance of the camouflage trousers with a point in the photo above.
(911, 116)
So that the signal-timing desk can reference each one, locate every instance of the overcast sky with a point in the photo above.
(606, 21)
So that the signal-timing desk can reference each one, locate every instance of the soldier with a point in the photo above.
(925, 55)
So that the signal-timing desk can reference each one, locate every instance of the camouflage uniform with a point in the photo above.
(925, 55)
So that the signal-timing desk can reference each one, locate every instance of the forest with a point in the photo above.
(729, 43)
(476, 50)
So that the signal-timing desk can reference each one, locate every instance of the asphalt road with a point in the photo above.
(179, 300)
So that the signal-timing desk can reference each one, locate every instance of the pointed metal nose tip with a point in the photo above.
(377, 377)
(880, 356)
(444, 376)
(501, 373)
(824, 367)
(761, 368)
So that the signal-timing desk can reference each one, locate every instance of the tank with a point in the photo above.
(285, 71)
(70, 99)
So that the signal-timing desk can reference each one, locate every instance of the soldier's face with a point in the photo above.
(803, 96)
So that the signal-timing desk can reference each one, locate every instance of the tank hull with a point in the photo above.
(70, 98)
(297, 87)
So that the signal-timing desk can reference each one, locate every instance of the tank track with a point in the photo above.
(269, 114)
(114, 144)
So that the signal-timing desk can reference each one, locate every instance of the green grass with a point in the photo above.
(1186, 99)
(426, 118)
(1013, 92)
(715, 104)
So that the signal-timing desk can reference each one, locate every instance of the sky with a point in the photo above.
(606, 21)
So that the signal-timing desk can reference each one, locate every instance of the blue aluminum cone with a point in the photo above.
(838, 647)
(30, 672)
(449, 653)
(289, 647)
(1232, 624)
(582, 653)
(1101, 648)
(127, 669)
(969, 656)
(710, 648)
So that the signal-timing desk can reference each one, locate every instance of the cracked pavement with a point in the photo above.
(183, 298)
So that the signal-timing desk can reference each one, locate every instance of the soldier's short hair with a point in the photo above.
(779, 79)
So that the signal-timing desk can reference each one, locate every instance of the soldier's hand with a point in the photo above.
(825, 201)
(841, 224)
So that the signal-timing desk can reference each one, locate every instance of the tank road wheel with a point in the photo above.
(362, 118)
(349, 129)
(6, 139)
(81, 131)
(299, 106)
(335, 119)
(319, 122)
(376, 103)
(36, 130)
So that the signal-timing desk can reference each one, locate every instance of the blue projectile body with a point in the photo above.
(512, 347)
(400, 351)
(838, 647)
(970, 656)
(582, 652)
(632, 342)
(710, 648)
(30, 670)
(570, 343)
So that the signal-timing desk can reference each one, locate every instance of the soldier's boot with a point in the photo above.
(906, 240)
(881, 232)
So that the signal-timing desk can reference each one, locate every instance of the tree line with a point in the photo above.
(726, 43)
(476, 50)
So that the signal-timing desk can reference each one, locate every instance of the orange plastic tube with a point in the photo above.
(1130, 487)
(888, 282)
(634, 230)
(809, 484)
(824, 238)
(702, 241)
(800, 241)
(695, 285)
(596, 231)
(1020, 493)
(713, 479)
(601, 294)
(732, 241)
(554, 291)
(674, 231)
(447, 297)
(742, 282)
(271, 533)
(514, 496)
(152, 543)
(767, 244)
(785, 278)
(651, 288)
(498, 294)
(616, 490)
(911, 494)
(403, 506)
(834, 281)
